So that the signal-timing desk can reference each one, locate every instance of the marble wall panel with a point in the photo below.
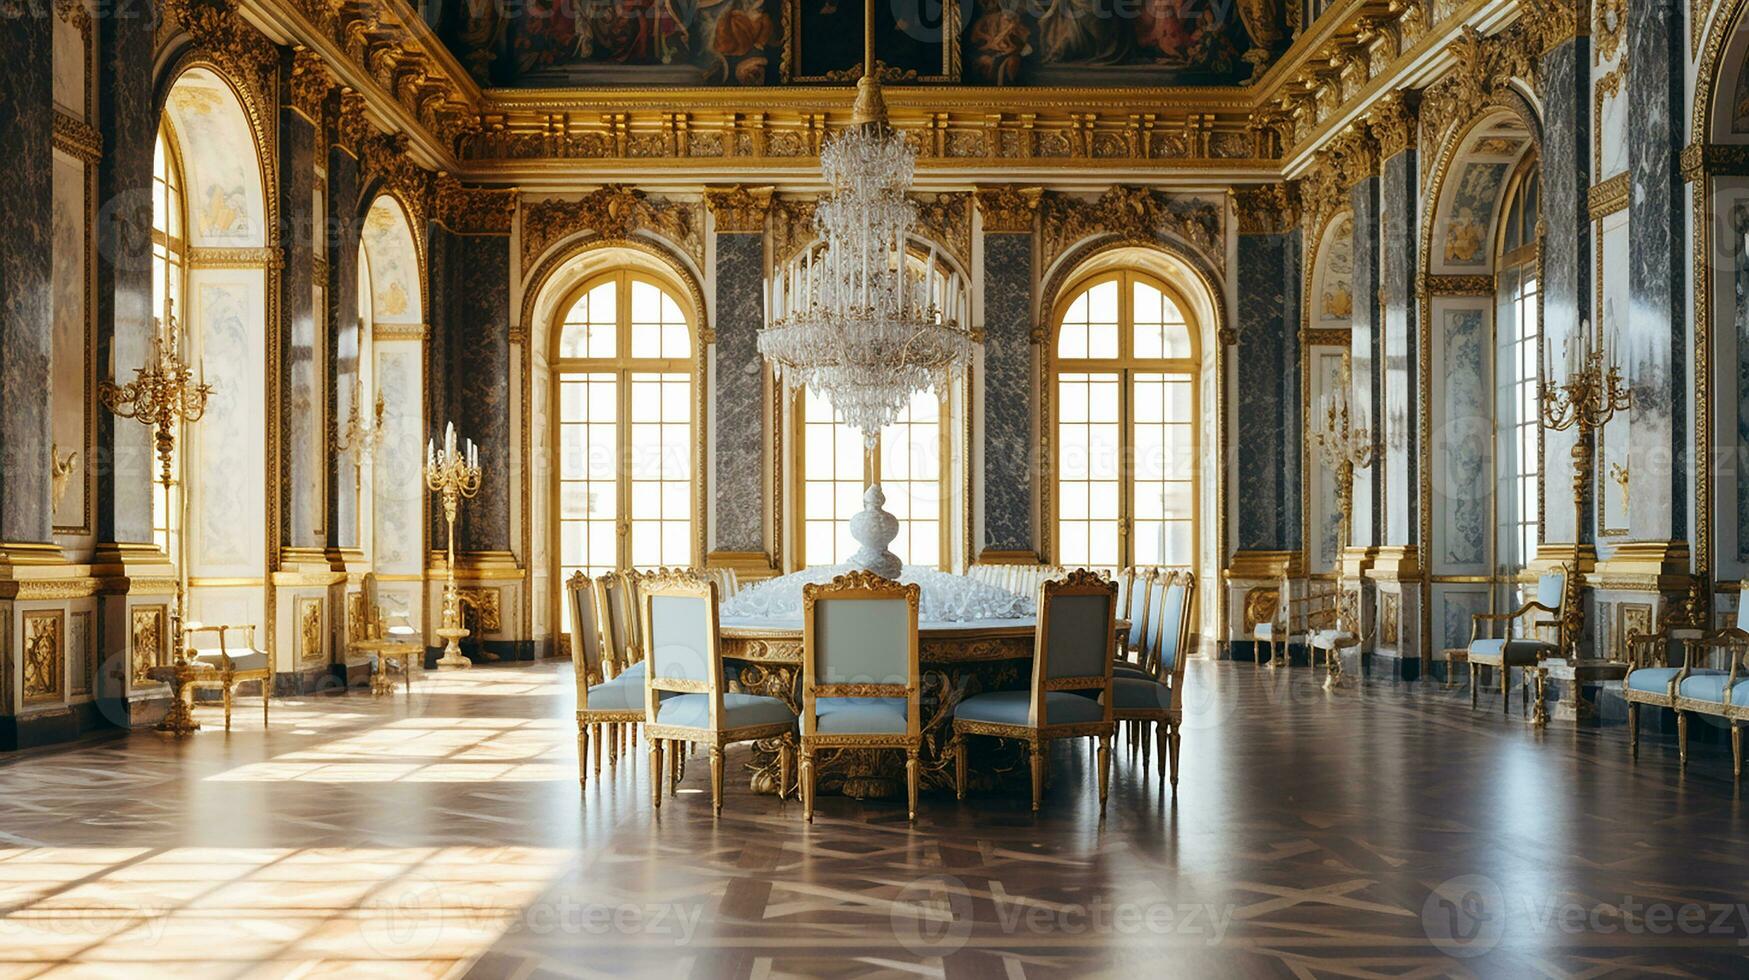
(71, 305)
(26, 270)
(1462, 441)
(341, 229)
(304, 447)
(1654, 343)
(474, 307)
(1010, 404)
(227, 493)
(129, 122)
(398, 491)
(1615, 440)
(1329, 370)
(1400, 421)
(1455, 608)
(1367, 395)
(740, 418)
(1263, 390)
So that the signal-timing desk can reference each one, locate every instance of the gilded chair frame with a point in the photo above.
(1477, 620)
(852, 587)
(227, 677)
(602, 725)
(1684, 624)
(620, 594)
(1301, 616)
(715, 737)
(1141, 588)
(408, 653)
(1036, 734)
(1733, 641)
(1166, 720)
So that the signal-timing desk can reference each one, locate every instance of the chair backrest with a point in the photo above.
(586, 641)
(680, 639)
(619, 621)
(1173, 631)
(859, 639)
(1551, 588)
(1075, 640)
(1126, 582)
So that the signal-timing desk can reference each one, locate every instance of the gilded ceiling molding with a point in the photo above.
(1321, 190)
(219, 30)
(738, 209)
(352, 127)
(474, 210)
(1007, 209)
(1271, 209)
(946, 220)
(1354, 155)
(1139, 215)
(310, 83)
(614, 211)
(1395, 122)
(1487, 65)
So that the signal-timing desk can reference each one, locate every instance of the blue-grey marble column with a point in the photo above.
(124, 466)
(1400, 421)
(1267, 391)
(344, 224)
(740, 419)
(26, 269)
(1365, 524)
(303, 445)
(1566, 173)
(1654, 345)
(1010, 481)
(470, 311)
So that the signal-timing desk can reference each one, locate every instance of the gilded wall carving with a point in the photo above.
(739, 209)
(310, 646)
(1133, 214)
(1006, 208)
(44, 655)
(614, 211)
(1261, 605)
(148, 638)
(487, 608)
(474, 210)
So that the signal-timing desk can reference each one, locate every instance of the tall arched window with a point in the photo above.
(169, 269)
(1520, 339)
(623, 385)
(1125, 372)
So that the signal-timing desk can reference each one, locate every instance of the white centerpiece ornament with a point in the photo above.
(852, 320)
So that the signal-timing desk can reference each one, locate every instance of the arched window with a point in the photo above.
(169, 272)
(912, 459)
(1124, 367)
(623, 384)
(1520, 340)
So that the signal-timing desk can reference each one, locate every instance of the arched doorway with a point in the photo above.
(389, 336)
(211, 268)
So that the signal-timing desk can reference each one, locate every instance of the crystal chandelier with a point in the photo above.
(852, 320)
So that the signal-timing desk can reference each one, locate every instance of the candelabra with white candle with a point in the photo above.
(454, 474)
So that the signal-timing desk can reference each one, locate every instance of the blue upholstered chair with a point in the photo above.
(1526, 640)
(1652, 677)
(1150, 591)
(1158, 699)
(1700, 687)
(603, 703)
(860, 686)
(679, 613)
(1073, 651)
(1141, 592)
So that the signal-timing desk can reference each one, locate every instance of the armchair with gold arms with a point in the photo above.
(1525, 643)
(1653, 678)
(230, 668)
(1296, 619)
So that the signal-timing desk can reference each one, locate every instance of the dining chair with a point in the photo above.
(860, 686)
(1158, 699)
(232, 666)
(685, 662)
(1073, 649)
(1524, 643)
(603, 703)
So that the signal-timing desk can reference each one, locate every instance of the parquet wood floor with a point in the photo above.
(1379, 831)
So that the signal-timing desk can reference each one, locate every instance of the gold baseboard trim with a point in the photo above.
(15, 553)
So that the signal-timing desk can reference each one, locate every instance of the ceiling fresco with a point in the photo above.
(565, 43)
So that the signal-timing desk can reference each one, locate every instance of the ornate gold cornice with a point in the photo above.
(384, 158)
(1354, 155)
(738, 209)
(614, 211)
(399, 331)
(268, 257)
(1326, 337)
(352, 127)
(792, 228)
(1007, 209)
(1714, 160)
(77, 138)
(1395, 122)
(474, 210)
(1486, 65)
(1610, 196)
(1141, 215)
(1270, 209)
